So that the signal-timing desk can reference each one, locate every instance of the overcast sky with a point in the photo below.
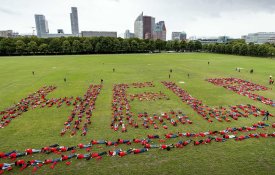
(196, 17)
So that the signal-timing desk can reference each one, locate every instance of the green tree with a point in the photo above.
(198, 45)
(55, 45)
(43, 48)
(169, 45)
(243, 49)
(236, 49)
(7, 46)
(191, 46)
(76, 47)
(176, 45)
(263, 50)
(98, 47)
(183, 45)
(134, 46)
(66, 47)
(32, 47)
(159, 45)
(125, 46)
(151, 45)
(20, 46)
(228, 49)
(116, 46)
(87, 46)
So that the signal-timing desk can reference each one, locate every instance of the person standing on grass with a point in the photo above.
(208, 63)
(65, 79)
(32, 72)
(169, 76)
(188, 75)
(171, 70)
(114, 70)
(266, 116)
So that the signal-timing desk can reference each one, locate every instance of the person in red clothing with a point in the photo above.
(31, 151)
(81, 146)
(20, 163)
(198, 142)
(167, 147)
(139, 151)
(153, 136)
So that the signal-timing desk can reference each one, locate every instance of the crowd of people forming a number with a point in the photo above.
(201, 138)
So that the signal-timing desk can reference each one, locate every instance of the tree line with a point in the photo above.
(94, 45)
(239, 47)
(105, 45)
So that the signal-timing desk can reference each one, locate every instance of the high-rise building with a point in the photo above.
(74, 21)
(145, 28)
(41, 25)
(179, 36)
(160, 31)
(138, 28)
(128, 34)
(148, 27)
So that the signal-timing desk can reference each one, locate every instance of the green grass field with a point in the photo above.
(41, 127)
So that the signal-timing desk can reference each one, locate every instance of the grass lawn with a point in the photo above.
(41, 127)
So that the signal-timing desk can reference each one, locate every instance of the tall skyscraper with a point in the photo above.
(160, 31)
(138, 28)
(74, 21)
(41, 25)
(148, 27)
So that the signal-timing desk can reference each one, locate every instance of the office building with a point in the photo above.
(260, 38)
(213, 40)
(128, 34)
(41, 25)
(138, 27)
(6, 33)
(148, 27)
(160, 31)
(57, 35)
(74, 21)
(145, 27)
(179, 36)
(98, 34)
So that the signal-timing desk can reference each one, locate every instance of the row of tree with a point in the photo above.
(239, 47)
(77, 45)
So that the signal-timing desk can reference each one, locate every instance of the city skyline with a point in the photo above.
(197, 18)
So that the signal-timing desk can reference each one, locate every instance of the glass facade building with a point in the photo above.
(138, 27)
(179, 36)
(41, 25)
(74, 21)
(260, 38)
(160, 31)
